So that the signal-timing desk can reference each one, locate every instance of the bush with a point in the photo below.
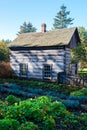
(4, 52)
(49, 123)
(76, 93)
(9, 124)
(84, 91)
(58, 109)
(5, 70)
(11, 99)
(84, 119)
(28, 126)
(81, 92)
(71, 103)
(70, 122)
(3, 109)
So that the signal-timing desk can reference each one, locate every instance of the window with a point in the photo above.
(23, 69)
(47, 71)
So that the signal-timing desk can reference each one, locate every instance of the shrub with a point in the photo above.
(28, 126)
(5, 70)
(58, 109)
(81, 92)
(84, 119)
(9, 124)
(49, 123)
(3, 109)
(70, 122)
(84, 91)
(4, 52)
(11, 99)
(76, 93)
(71, 103)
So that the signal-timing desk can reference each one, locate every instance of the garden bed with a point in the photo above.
(70, 114)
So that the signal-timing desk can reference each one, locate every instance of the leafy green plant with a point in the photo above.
(70, 121)
(28, 126)
(84, 91)
(58, 109)
(11, 99)
(49, 123)
(9, 124)
(71, 103)
(84, 119)
(76, 93)
(3, 109)
(80, 92)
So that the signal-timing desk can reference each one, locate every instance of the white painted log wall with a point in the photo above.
(35, 60)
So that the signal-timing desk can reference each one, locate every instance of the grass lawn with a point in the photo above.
(83, 72)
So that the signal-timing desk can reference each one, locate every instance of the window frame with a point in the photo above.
(47, 71)
(23, 69)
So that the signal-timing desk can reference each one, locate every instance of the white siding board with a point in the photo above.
(35, 60)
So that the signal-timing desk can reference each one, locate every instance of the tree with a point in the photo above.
(4, 52)
(6, 41)
(83, 34)
(26, 28)
(79, 55)
(62, 20)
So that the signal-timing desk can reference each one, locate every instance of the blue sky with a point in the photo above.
(13, 13)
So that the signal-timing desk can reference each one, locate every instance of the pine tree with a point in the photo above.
(62, 20)
(26, 28)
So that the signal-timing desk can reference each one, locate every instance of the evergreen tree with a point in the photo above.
(62, 20)
(6, 41)
(26, 28)
(83, 34)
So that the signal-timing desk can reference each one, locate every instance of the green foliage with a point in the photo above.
(81, 92)
(83, 72)
(71, 103)
(83, 34)
(26, 28)
(9, 124)
(3, 109)
(6, 41)
(84, 91)
(42, 111)
(62, 20)
(49, 123)
(84, 119)
(71, 122)
(37, 87)
(77, 93)
(58, 109)
(79, 54)
(11, 99)
(4, 52)
(28, 126)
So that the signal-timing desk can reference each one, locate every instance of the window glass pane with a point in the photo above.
(23, 69)
(47, 71)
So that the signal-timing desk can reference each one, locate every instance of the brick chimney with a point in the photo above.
(43, 27)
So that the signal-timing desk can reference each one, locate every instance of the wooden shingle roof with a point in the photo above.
(58, 37)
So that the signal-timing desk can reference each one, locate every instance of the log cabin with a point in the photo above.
(43, 55)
